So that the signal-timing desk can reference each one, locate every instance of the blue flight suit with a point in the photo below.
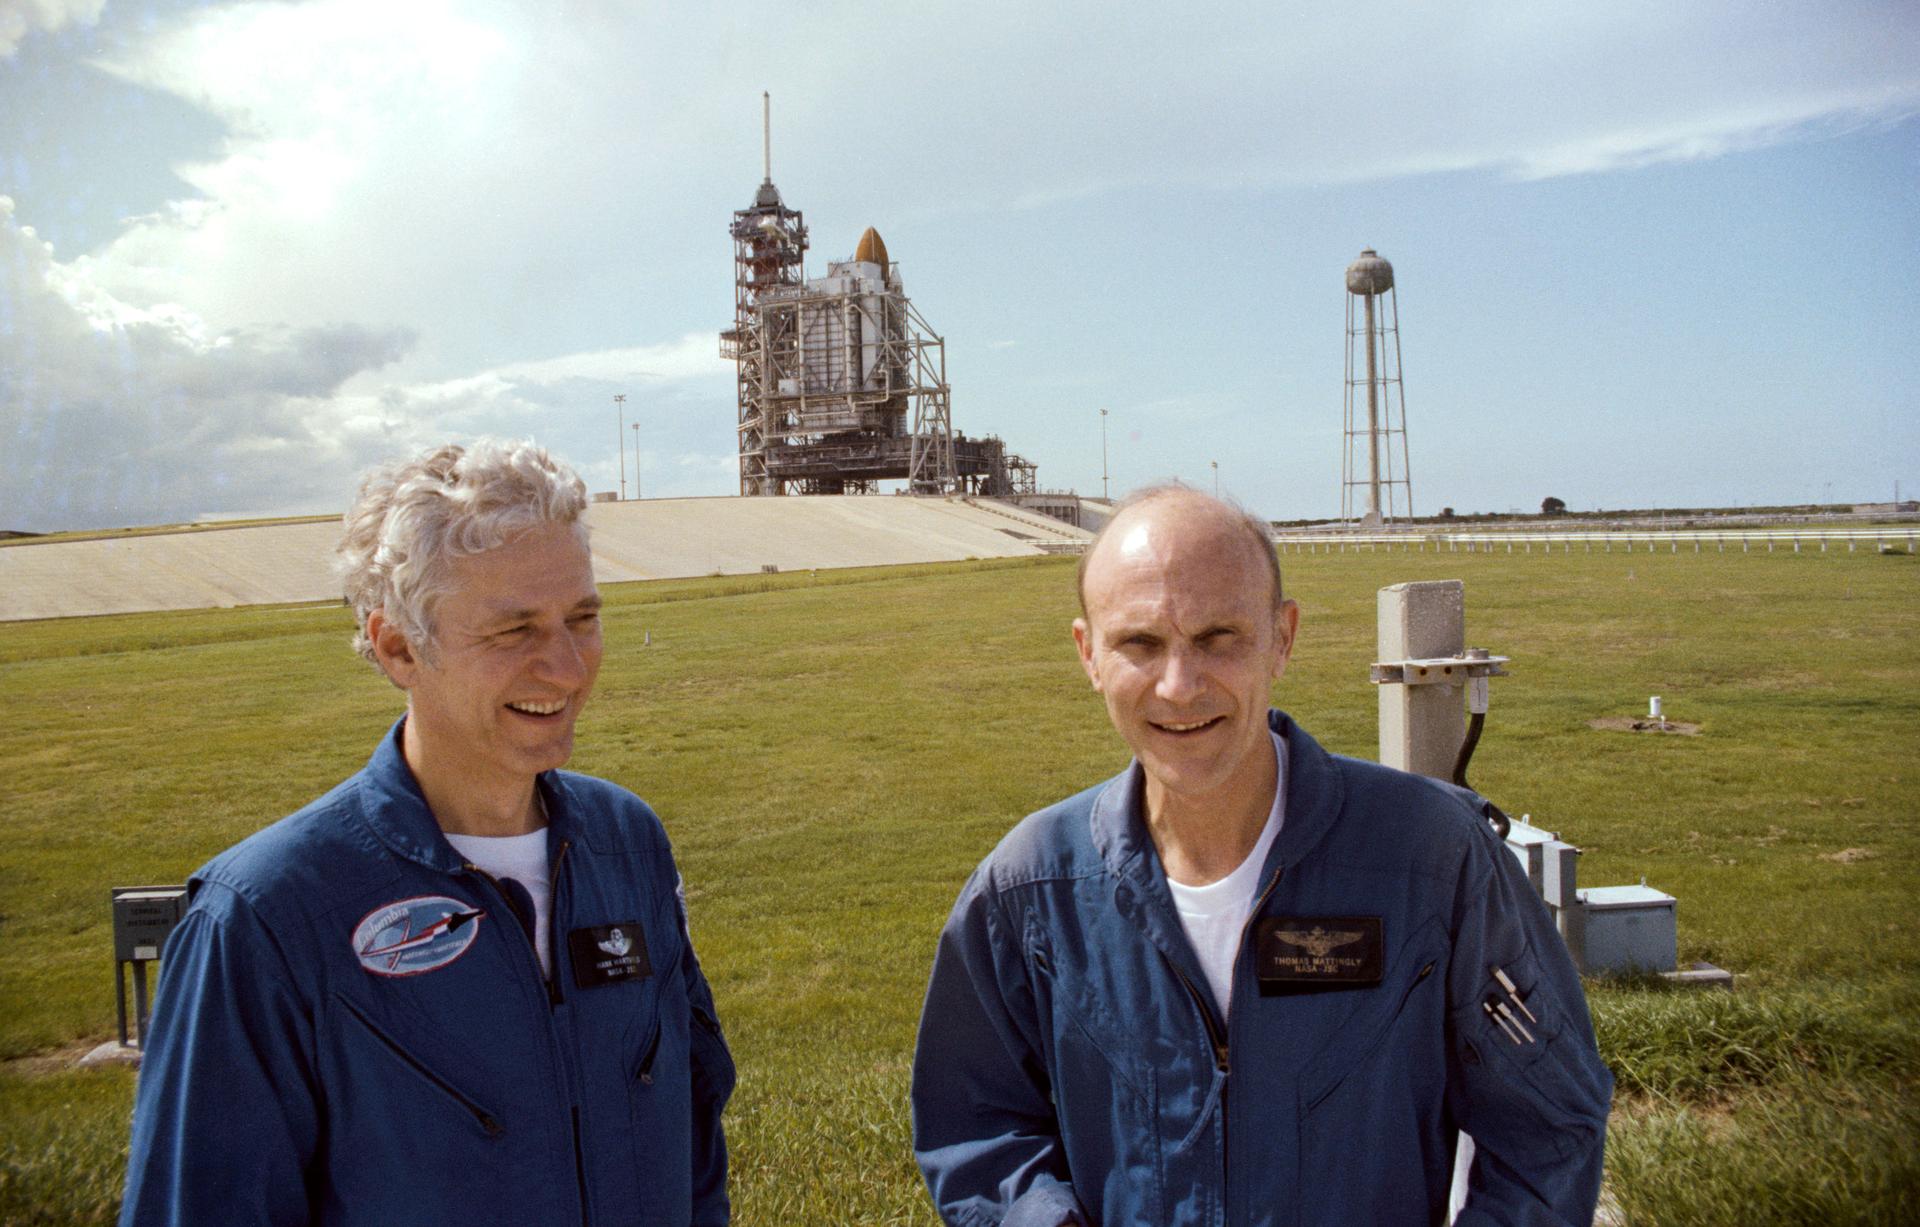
(1073, 1067)
(352, 1028)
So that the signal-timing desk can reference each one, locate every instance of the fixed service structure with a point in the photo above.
(842, 383)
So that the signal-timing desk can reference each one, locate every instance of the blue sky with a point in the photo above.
(1648, 254)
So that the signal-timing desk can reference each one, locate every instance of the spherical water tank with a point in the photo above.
(1369, 274)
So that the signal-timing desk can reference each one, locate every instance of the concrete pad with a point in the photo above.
(113, 1052)
(644, 539)
(1700, 975)
(665, 538)
(260, 565)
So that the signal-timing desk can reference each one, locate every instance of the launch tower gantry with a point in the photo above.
(841, 381)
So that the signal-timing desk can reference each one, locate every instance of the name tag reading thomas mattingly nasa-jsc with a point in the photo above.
(1301, 953)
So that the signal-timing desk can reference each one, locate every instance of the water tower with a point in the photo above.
(1376, 403)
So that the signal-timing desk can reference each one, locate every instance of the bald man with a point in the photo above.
(1245, 981)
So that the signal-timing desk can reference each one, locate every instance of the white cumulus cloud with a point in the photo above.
(113, 414)
(456, 167)
(116, 415)
(20, 18)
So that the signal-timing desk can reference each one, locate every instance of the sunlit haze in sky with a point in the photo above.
(1647, 253)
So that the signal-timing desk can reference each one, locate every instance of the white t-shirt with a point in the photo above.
(1213, 915)
(524, 859)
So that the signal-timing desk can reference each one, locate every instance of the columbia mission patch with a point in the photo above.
(607, 954)
(1294, 952)
(411, 936)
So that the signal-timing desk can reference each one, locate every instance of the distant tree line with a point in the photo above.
(1554, 506)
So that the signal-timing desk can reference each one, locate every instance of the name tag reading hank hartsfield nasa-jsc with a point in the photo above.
(608, 954)
(1295, 953)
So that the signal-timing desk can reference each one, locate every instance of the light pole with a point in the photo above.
(636, 459)
(1216, 477)
(620, 439)
(1103, 454)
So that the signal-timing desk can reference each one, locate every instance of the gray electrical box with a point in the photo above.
(1628, 928)
(1528, 844)
(142, 918)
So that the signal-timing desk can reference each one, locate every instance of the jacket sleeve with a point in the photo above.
(713, 1079)
(224, 1120)
(984, 1129)
(1528, 1085)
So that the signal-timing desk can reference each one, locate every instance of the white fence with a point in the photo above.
(1903, 538)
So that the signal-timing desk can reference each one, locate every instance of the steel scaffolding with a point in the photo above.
(841, 381)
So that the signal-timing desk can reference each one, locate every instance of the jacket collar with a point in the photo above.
(395, 810)
(1315, 795)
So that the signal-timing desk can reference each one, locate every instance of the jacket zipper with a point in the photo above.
(580, 1167)
(554, 993)
(487, 1121)
(554, 998)
(1215, 1040)
(553, 931)
(1214, 1030)
(1216, 1036)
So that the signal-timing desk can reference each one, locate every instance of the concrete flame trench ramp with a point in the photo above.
(653, 539)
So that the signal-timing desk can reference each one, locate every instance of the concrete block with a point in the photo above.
(1421, 727)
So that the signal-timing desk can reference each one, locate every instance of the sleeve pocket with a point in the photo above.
(1527, 1062)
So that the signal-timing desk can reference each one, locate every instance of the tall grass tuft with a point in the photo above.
(63, 1147)
(1815, 1152)
(1703, 1045)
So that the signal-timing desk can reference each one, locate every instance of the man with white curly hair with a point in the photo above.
(458, 988)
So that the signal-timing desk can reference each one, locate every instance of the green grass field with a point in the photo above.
(833, 754)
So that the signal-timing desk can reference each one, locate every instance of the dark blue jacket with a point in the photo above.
(352, 1028)
(1072, 1065)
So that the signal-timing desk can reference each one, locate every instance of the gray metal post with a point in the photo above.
(120, 998)
(1373, 425)
(1421, 727)
(140, 1010)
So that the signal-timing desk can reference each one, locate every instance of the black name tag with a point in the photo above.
(1293, 953)
(607, 954)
